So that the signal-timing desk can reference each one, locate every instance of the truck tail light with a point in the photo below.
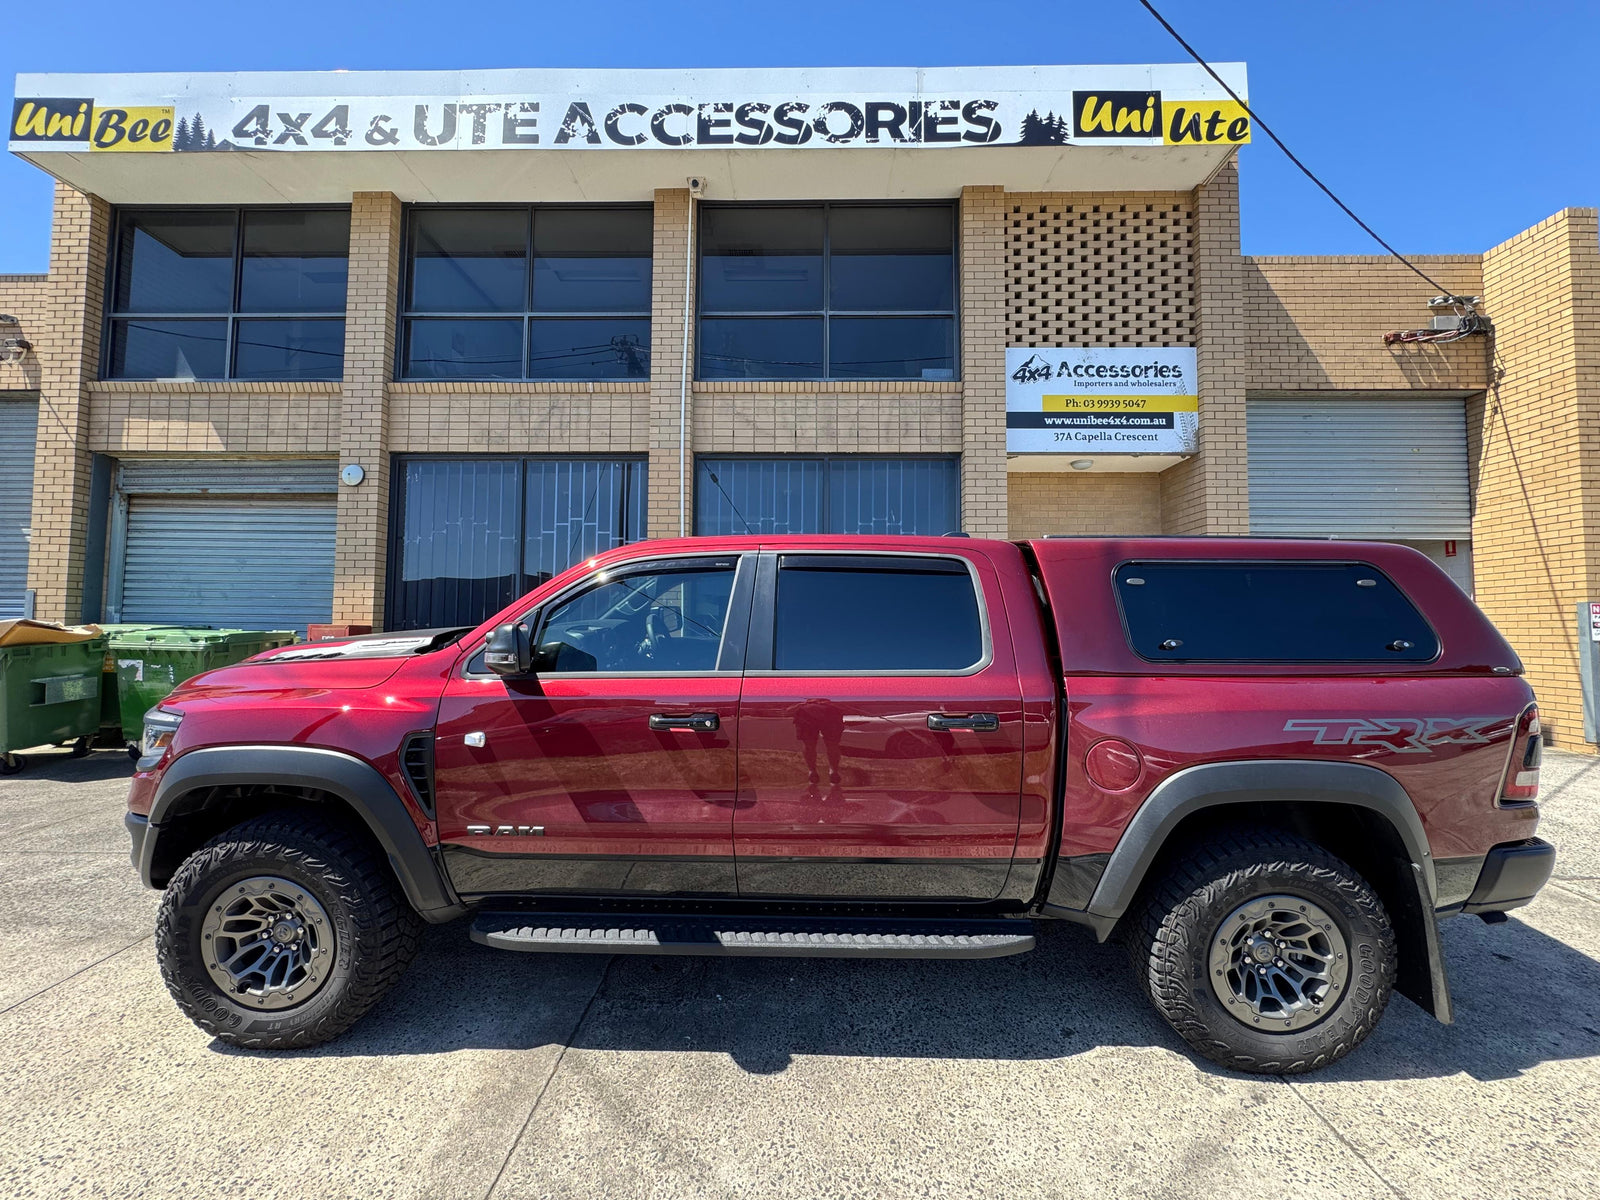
(1527, 751)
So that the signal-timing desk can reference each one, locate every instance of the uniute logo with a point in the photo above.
(51, 120)
(1117, 114)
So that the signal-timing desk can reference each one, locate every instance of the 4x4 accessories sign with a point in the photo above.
(1006, 106)
(1106, 400)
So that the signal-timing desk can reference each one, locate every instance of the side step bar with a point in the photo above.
(784, 937)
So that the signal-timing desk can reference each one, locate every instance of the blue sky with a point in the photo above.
(1449, 127)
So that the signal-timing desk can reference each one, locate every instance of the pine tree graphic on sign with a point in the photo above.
(1048, 130)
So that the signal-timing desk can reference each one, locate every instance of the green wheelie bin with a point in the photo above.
(110, 706)
(49, 696)
(151, 663)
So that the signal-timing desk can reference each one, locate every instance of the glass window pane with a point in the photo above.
(579, 507)
(592, 260)
(146, 349)
(289, 349)
(465, 349)
(458, 550)
(469, 260)
(761, 348)
(901, 619)
(886, 258)
(894, 496)
(761, 260)
(593, 348)
(758, 495)
(892, 348)
(651, 623)
(1270, 612)
(294, 261)
(177, 262)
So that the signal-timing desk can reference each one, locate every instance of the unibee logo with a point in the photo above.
(1116, 114)
(50, 120)
(131, 129)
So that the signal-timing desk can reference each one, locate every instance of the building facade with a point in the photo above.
(285, 370)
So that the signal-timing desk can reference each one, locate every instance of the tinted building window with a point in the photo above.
(229, 294)
(829, 291)
(1270, 612)
(857, 613)
(524, 293)
(790, 494)
(473, 534)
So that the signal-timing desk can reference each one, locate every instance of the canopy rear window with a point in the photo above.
(1269, 612)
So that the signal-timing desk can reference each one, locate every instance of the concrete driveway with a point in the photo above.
(492, 1074)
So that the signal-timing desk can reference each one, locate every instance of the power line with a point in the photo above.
(1289, 154)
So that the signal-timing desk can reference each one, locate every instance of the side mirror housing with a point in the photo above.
(509, 650)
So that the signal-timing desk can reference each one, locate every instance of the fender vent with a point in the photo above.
(416, 759)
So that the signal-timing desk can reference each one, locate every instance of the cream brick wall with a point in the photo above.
(227, 418)
(361, 547)
(1097, 503)
(29, 299)
(1536, 521)
(1208, 493)
(1318, 323)
(984, 267)
(67, 350)
(519, 418)
(670, 512)
(835, 417)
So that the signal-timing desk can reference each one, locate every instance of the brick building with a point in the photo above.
(388, 350)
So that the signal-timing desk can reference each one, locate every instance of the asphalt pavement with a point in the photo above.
(487, 1074)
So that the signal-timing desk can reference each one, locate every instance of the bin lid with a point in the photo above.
(23, 632)
(174, 637)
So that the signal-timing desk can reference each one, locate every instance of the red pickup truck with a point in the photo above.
(1269, 766)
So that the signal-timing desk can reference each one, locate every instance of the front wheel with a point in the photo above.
(282, 932)
(1266, 953)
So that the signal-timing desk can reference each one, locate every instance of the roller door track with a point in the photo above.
(242, 562)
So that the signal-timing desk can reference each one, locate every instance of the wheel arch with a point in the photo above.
(208, 791)
(1356, 812)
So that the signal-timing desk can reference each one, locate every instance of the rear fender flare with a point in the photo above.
(1212, 785)
(358, 784)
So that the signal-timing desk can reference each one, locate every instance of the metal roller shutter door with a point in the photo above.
(1369, 468)
(18, 424)
(258, 562)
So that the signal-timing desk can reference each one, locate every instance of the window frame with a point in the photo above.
(234, 314)
(827, 460)
(763, 639)
(404, 314)
(826, 313)
(397, 484)
(1371, 665)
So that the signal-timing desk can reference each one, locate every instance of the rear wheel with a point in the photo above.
(1266, 953)
(282, 932)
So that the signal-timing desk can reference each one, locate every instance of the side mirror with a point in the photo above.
(509, 650)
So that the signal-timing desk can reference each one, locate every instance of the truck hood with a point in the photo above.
(350, 663)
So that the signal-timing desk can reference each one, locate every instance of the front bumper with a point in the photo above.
(138, 829)
(1512, 875)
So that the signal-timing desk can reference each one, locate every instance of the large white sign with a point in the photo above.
(620, 110)
(1108, 400)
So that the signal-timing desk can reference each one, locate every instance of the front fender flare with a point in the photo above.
(357, 783)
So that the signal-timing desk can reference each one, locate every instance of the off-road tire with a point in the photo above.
(375, 931)
(1170, 943)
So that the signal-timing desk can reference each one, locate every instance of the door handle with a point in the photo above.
(693, 722)
(979, 722)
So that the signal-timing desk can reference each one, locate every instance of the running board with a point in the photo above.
(781, 937)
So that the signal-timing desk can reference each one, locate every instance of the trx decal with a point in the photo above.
(1403, 735)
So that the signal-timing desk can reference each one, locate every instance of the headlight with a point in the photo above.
(160, 727)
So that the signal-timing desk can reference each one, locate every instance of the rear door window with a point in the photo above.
(1269, 612)
(861, 613)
